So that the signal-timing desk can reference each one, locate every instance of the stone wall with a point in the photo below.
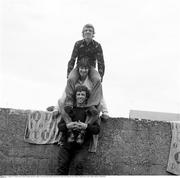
(126, 147)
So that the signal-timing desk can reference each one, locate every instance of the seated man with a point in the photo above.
(82, 128)
(80, 113)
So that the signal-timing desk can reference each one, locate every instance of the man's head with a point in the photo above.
(81, 94)
(88, 31)
(83, 67)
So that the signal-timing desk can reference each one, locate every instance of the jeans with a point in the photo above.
(69, 154)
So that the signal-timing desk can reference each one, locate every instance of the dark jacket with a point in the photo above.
(92, 129)
(93, 50)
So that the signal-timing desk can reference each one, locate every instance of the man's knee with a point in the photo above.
(71, 82)
(95, 80)
(94, 74)
(73, 76)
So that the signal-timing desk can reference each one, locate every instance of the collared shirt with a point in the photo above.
(93, 50)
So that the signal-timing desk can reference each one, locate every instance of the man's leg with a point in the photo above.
(70, 87)
(96, 92)
(61, 101)
(65, 117)
(104, 110)
(94, 75)
(63, 161)
(79, 160)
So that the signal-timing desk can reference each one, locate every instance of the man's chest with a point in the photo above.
(87, 49)
(79, 114)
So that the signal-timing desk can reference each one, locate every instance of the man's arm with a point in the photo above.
(94, 128)
(73, 59)
(100, 60)
(63, 127)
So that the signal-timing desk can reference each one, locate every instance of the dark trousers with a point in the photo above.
(67, 154)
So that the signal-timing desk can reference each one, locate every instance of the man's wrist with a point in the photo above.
(86, 125)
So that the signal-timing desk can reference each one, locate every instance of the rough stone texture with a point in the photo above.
(126, 147)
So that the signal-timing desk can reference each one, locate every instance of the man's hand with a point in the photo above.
(71, 125)
(81, 125)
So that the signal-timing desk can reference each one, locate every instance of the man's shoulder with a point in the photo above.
(79, 42)
(94, 41)
(97, 44)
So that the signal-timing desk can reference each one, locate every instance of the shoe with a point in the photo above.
(104, 117)
(50, 108)
(70, 138)
(80, 138)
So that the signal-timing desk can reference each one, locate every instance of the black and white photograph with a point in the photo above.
(90, 87)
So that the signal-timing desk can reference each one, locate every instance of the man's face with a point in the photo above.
(83, 71)
(88, 33)
(80, 97)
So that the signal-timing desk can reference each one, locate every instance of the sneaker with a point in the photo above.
(80, 138)
(70, 138)
(50, 108)
(104, 117)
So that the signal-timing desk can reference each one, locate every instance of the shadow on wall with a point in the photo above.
(126, 147)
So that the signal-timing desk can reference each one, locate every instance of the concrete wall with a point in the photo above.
(126, 147)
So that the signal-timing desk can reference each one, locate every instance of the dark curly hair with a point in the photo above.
(80, 88)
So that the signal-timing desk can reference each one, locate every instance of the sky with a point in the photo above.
(140, 41)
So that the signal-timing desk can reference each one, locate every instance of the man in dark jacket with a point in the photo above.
(73, 148)
(87, 47)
